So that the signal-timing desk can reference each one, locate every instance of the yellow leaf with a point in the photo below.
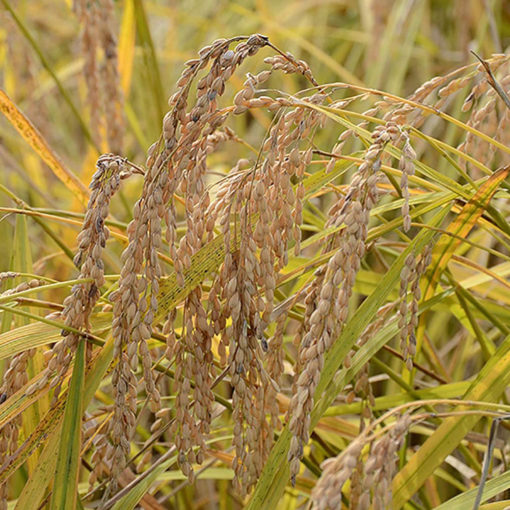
(32, 136)
(462, 225)
(127, 46)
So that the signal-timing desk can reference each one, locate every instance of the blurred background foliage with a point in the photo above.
(392, 45)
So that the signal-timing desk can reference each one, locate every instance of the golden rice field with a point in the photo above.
(255, 255)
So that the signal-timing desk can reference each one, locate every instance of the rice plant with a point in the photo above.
(287, 287)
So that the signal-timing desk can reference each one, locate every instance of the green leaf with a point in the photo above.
(37, 334)
(65, 487)
(492, 488)
(488, 386)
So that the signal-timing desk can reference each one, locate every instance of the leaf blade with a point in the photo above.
(38, 143)
(65, 487)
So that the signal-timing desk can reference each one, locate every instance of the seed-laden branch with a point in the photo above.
(233, 326)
